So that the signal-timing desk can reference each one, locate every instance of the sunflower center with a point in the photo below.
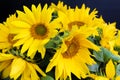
(10, 38)
(72, 50)
(39, 31)
(78, 23)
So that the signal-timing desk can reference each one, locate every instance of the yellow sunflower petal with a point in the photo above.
(59, 70)
(20, 24)
(85, 56)
(101, 78)
(17, 67)
(6, 72)
(4, 28)
(17, 30)
(29, 14)
(47, 12)
(78, 69)
(86, 43)
(33, 48)
(34, 75)
(3, 38)
(26, 74)
(4, 45)
(21, 41)
(53, 62)
(22, 35)
(117, 78)
(4, 64)
(39, 7)
(110, 69)
(38, 69)
(42, 51)
(4, 57)
(36, 12)
(26, 45)
(24, 17)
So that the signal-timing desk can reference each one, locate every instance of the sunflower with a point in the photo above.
(82, 17)
(34, 29)
(15, 67)
(6, 38)
(72, 57)
(108, 36)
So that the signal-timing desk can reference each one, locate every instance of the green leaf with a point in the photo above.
(118, 70)
(99, 56)
(47, 78)
(94, 67)
(54, 43)
(106, 54)
(95, 39)
(115, 58)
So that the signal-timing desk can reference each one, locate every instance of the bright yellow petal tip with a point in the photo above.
(110, 69)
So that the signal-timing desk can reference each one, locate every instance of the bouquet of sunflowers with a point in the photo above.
(57, 42)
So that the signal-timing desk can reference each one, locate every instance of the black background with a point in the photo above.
(109, 9)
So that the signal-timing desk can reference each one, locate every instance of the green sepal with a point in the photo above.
(94, 67)
(104, 55)
(56, 42)
(118, 70)
(47, 78)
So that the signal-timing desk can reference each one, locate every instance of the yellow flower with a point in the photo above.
(78, 18)
(59, 7)
(6, 38)
(108, 36)
(13, 66)
(72, 57)
(34, 29)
